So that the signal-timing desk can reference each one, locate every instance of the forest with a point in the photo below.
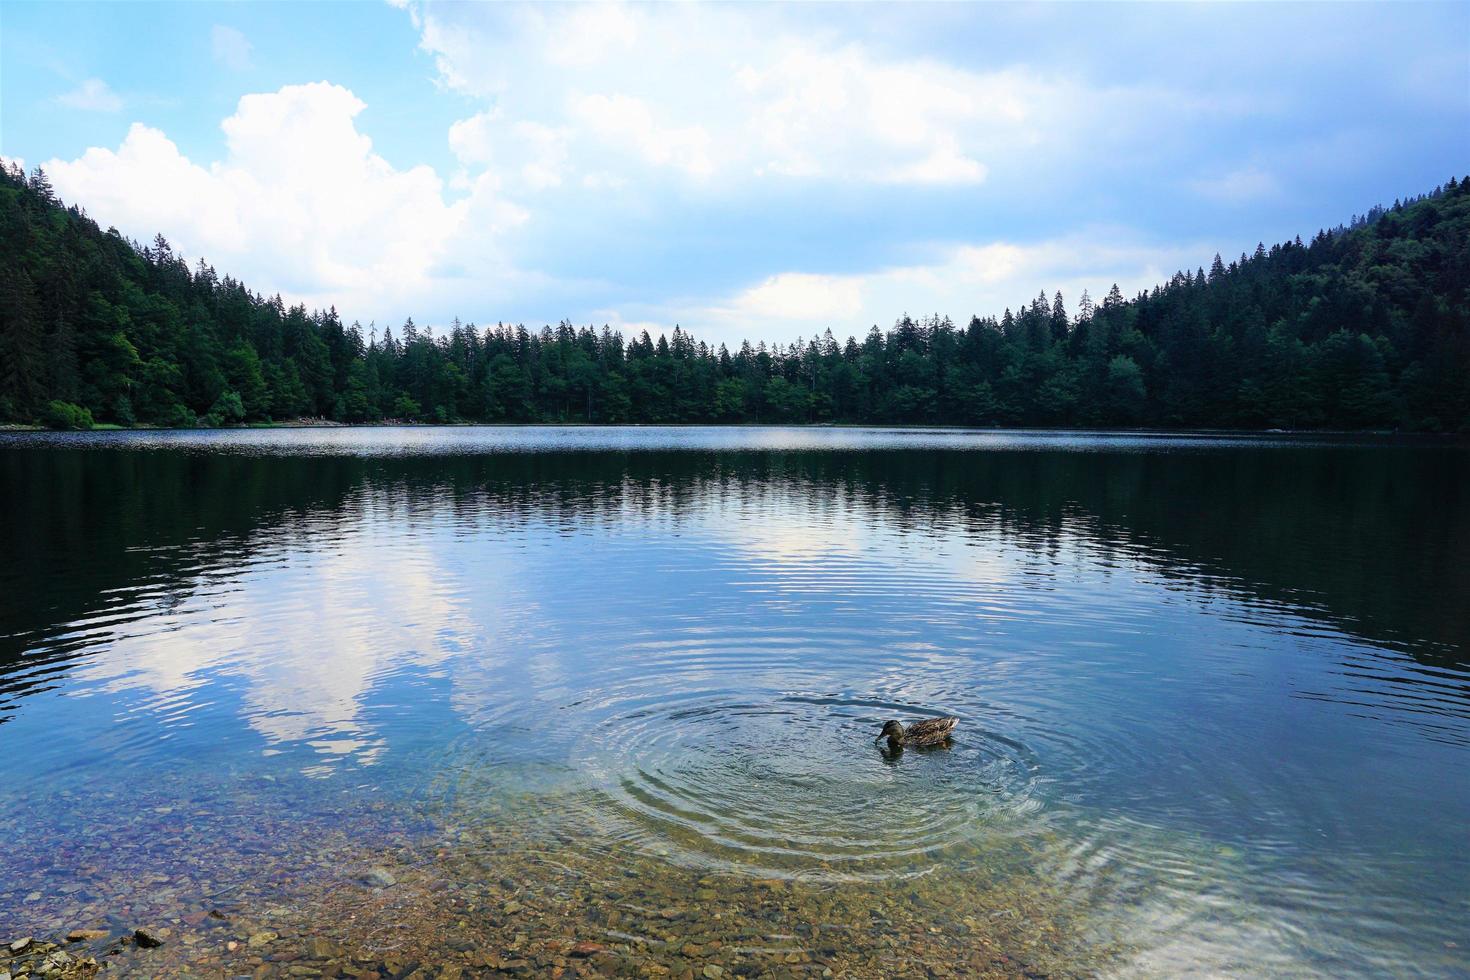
(1367, 326)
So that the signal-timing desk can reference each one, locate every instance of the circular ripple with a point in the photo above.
(794, 784)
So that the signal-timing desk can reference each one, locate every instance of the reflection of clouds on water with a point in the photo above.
(814, 542)
(309, 629)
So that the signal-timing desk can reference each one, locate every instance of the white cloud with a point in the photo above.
(803, 296)
(590, 33)
(93, 95)
(230, 47)
(546, 154)
(961, 280)
(715, 92)
(944, 166)
(603, 181)
(300, 203)
(1237, 186)
(685, 123)
(473, 139)
(819, 112)
(624, 121)
(534, 154)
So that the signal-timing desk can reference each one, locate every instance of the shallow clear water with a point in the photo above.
(1215, 692)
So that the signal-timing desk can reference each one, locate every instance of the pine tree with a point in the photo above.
(22, 358)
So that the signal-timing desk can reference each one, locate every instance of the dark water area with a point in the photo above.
(1214, 695)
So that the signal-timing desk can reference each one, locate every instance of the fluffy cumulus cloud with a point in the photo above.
(813, 112)
(534, 153)
(729, 94)
(958, 279)
(802, 296)
(705, 124)
(625, 122)
(300, 202)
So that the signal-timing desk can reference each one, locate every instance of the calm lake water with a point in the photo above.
(1215, 692)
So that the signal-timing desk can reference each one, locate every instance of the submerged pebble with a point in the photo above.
(380, 878)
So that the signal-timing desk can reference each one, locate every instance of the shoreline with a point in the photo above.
(373, 890)
(892, 426)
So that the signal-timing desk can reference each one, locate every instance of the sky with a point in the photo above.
(754, 171)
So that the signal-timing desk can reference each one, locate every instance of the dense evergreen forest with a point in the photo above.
(1366, 326)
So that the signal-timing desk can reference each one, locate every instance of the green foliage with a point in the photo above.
(227, 409)
(406, 409)
(1367, 326)
(1124, 395)
(786, 402)
(65, 415)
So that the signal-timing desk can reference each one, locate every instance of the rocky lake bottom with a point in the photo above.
(264, 896)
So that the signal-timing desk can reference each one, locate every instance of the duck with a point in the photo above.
(930, 731)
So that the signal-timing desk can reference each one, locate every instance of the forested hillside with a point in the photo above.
(1366, 326)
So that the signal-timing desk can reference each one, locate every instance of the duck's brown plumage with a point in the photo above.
(930, 731)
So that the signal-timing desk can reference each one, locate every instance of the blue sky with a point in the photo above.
(757, 171)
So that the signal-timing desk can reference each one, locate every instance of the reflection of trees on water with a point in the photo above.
(1369, 541)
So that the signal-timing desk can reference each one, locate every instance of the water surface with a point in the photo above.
(1214, 691)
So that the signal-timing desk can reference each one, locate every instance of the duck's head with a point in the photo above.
(893, 731)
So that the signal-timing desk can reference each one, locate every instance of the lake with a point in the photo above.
(360, 700)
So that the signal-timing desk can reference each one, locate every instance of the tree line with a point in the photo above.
(1365, 326)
